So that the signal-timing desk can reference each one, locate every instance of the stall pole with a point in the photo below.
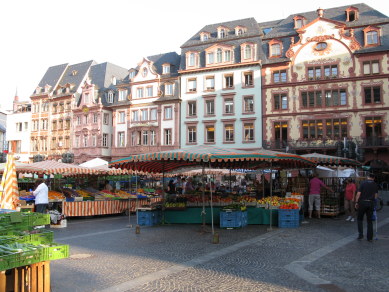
(203, 199)
(230, 182)
(210, 188)
(129, 200)
(271, 195)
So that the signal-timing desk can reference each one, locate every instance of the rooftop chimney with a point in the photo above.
(320, 12)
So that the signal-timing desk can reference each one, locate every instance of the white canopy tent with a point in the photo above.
(94, 162)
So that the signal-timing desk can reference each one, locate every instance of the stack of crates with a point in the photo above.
(21, 245)
(148, 217)
(288, 218)
(231, 219)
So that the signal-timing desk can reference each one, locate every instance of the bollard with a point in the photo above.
(137, 229)
(215, 238)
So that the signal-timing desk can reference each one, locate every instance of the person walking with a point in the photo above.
(41, 194)
(366, 195)
(315, 185)
(349, 199)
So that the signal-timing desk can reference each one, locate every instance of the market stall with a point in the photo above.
(208, 157)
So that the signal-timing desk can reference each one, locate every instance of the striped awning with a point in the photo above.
(9, 194)
(215, 157)
(331, 160)
(55, 167)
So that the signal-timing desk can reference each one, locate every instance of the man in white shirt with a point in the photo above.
(41, 194)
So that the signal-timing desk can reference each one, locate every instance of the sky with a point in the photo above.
(35, 35)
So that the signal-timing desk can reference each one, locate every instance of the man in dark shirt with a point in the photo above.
(366, 195)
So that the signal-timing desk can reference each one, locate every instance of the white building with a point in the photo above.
(221, 86)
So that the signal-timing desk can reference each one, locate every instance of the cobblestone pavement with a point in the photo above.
(322, 255)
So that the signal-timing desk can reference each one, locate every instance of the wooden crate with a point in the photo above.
(32, 278)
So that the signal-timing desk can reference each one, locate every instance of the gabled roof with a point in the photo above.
(75, 74)
(53, 75)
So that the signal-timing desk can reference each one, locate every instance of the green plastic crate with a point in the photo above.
(20, 259)
(35, 219)
(37, 237)
(55, 251)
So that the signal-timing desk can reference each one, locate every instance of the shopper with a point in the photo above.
(171, 188)
(366, 195)
(315, 185)
(349, 199)
(41, 194)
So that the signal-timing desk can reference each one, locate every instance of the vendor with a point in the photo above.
(108, 186)
(41, 194)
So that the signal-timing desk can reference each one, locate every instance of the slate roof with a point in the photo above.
(76, 79)
(53, 75)
(172, 58)
(101, 74)
(284, 29)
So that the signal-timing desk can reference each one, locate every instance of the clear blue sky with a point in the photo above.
(42, 33)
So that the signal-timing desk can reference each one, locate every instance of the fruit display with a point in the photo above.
(236, 206)
(56, 196)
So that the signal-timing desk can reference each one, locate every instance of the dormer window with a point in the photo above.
(239, 30)
(219, 55)
(74, 72)
(144, 72)
(275, 49)
(298, 21)
(372, 37)
(192, 60)
(352, 13)
(110, 97)
(204, 36)
(165, 68)
(131, 74)
(247, 52)
(222, 32)
(113, 80)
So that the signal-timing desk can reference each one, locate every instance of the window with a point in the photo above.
(228, 81)
(145, 137)
(152, 138)
(169, 89)
(54, 125)
(139, 92)
(192, 85)
(321, 46)
(372, 94)
(227, 56)
(67, 124)
(248, 104)
(153, 114)
(210, 83)
(149, 91)
(312, 129)
(219, 55)
(247, 52)
(229, 133)
(210, 134)
(105, 140)
(135, 116)
(144, 115)
(311, 99)
(106, 119)
(335, 97)
(77, 141)
(275, 50)
(68, 106)
(85, 119)
(192, 134)
(165, 69)
(144, 72)
(371, 67)
(192, 111)
(222, 33)
(25, 127)
(336, 128)
(204, 37)
(133, 138)
(279, 76)
(85, 141)
(280, 101)
(121, 139)
(95, 117)
(122, 117)
(168, 115)
(54, 108)
(298, 23)
(19, 127)
(110, 97)
(228, 106)
(280, 131)
(168, 136)
(122, 95)
(331, 71)
(210, 107)
(139, 138)
(373, 126)
(192, 59)
(248, 132)
(94, 140)
(132, 74)
(314, 73)
(248, 78)
(372, 38)
(211, 58)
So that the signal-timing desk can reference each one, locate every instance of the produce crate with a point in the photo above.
(233, 219)
(35, 219)
(148, 218)
(55, 251)
(38, 237)
(20, 259)
(288, 218)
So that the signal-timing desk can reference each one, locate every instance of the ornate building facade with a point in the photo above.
(146, 108)
(325, 83)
